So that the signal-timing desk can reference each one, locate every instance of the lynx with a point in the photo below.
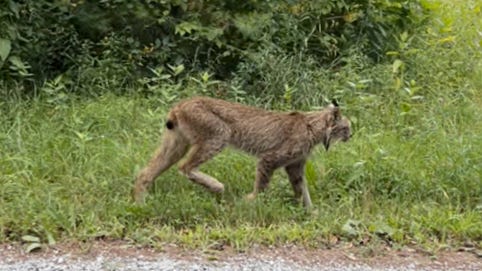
(199, 128)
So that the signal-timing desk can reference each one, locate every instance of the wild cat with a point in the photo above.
(200, 127)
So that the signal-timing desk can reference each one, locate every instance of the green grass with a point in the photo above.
(68, 172)
(410, 175)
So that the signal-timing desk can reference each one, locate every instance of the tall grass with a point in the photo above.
(411, 173)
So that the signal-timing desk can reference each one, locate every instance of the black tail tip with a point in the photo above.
(170, 125)
(334, 102)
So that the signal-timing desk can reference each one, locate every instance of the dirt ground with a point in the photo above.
(467, 258)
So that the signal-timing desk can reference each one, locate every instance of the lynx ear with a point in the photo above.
(335, 109)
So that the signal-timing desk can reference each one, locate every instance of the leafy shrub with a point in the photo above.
(116, 42)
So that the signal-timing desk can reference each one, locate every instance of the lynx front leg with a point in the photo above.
(197, 155)
(296, 175)
(264, 171)
(172, 149)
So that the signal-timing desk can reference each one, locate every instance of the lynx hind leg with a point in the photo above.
(198, 154)
(173, 147)
(298, 182)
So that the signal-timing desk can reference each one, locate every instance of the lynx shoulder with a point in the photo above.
(199, 128)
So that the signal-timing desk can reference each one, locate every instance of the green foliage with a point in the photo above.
(107, 46)
(99, 91)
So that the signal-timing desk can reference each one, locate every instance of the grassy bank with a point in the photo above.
(411, 174)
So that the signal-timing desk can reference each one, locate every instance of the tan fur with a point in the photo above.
(202, 127)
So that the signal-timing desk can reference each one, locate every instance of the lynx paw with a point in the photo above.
(139, 198)
(250, 196)
(217, 188)
(139, 195)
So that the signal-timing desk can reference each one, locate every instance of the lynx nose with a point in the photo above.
(345, 139)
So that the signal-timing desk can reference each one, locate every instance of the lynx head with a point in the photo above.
(339, 127)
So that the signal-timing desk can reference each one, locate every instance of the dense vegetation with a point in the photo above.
(84, 86)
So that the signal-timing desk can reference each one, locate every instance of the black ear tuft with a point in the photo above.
(335, 109)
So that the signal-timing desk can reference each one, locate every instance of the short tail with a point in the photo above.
(171, 122)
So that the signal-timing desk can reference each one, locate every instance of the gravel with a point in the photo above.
(101, 263)
(106, 258)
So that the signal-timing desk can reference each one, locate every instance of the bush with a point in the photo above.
(119, 41)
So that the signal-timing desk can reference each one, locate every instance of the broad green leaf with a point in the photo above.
(205, 77)
(381, 229)
(5, 47)
(17, 62)
(398, 83)
(396, 65)
(176, 69)
(51, 239)
(32, 247)
(186, 27)
(351, 228)
(30, 239)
